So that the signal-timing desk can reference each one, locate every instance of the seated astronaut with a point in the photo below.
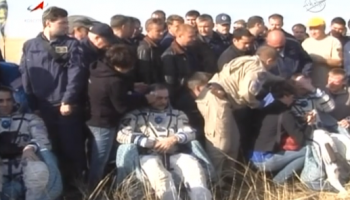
(159, 131)
(309, 98)
(314, 103)
(21, 135)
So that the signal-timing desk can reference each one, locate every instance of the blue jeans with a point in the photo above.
(67, 138)
(101, 144)
(284, 164)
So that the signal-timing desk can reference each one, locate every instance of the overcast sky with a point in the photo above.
(22, 23)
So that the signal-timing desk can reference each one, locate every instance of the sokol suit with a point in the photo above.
(16, 132)
(318, 102)
(142, 127)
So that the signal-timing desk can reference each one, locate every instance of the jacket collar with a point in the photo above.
(177, 48)
(150, 41)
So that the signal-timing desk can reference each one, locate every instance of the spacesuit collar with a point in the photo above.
(166, 110)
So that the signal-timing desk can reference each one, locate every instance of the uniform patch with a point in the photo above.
(6, 123)
(125, 122)
(40, 127)
(61, 49)
(255, 87)
(224, 18)
(158, 119)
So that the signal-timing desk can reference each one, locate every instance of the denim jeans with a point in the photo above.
(101, 144)
(284, 164)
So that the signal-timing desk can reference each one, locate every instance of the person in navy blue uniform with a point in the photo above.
(223, 26)
(53, 79)
(207, 35)
(173, 22)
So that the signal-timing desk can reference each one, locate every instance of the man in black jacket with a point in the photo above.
(149, 66)
(123, 29)
(179, 63)
(137, 36)
(241, 42)
(172, 22)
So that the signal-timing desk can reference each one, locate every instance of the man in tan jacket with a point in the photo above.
(241, 79)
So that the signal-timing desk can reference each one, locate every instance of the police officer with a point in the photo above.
(53, 78)
(241, 80)
(223, 26)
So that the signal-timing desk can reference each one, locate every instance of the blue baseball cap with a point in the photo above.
(223, 19)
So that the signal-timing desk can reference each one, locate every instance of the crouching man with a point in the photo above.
(22, 136)
(161, 133)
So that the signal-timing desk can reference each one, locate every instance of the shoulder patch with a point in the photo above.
(255, 87)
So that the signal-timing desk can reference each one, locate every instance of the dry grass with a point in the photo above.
(249, 186)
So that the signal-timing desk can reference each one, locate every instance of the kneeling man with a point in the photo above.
(21, 136)
(160, 131)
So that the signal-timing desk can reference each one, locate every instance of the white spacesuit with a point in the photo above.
(143, 127)
(17, 133)
(322, 139)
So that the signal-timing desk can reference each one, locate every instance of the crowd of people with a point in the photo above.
(180, 104)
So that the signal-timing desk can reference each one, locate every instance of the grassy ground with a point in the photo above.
(249, 186)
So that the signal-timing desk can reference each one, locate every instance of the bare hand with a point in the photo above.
(140, 87)
(65, 109)
(310, 117)
(165, 144)
(29, 154)
(344, 123)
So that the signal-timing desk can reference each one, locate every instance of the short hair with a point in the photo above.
(184, 28)
(266, 52)
(240, 21)
(135, 20)
(276, 16)
(6, 89)
(53, 14)
(198, 79)
(121, 55)
(337, 71)
(192, 13)
(252, 21)
(157, 86)
(283, 88)
(204, 17)
(170, 20)
(349, 23)
(117, 21)
(241, 32)
(159, 12)
(299, 26)
(155, 21)
(338, 20)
